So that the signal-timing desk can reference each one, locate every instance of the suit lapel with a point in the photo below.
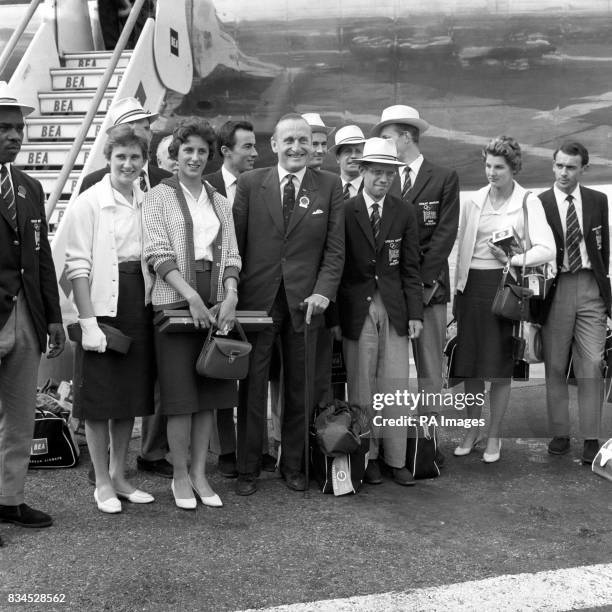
(270, 192)
(552, 214)
(363, 220)
(386, 222)
(21, 203)
(421, 180)
(304, 201)
(587, 214)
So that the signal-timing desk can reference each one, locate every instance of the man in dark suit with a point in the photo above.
(290, 229)
(29, 312)
(433, 192)
(154, 441)
(380, 302)
(576, 308)
(236, 146)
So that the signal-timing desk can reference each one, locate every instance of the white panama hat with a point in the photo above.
(348, 135)
(379, 151)
(127, 110)
(316, 123)
(401, 114)
(8, 99)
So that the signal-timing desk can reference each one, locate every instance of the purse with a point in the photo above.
(53, 444)
(531, 333)
(511, 301)
(421, 449)
(224, 358)
(115, 340)
(602, 464)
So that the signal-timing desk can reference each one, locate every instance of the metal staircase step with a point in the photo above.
(77, 79)
(49, 155)
(72, 103)
(48, 178)
(95, 59)
(58, 128)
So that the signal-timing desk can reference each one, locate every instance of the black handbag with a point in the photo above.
(511, 300)
(421, 450)
(53, 445)
(224, 358)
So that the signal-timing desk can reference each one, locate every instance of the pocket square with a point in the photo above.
(319, 211)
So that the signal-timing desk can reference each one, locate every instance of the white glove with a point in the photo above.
(93, 337)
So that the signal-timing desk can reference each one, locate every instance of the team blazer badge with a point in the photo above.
(21, 192)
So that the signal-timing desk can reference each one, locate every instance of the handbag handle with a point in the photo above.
(213, 328)
(525, 249)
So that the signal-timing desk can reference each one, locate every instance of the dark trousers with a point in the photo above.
(253, 395)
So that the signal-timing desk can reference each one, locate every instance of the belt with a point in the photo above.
(130, 267)
(203, 265)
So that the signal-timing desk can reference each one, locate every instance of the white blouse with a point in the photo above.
(206, 224)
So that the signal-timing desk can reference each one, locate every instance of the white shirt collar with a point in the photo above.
(282, 173)
(561, 196)
(369, 201)
(414, 166)
(356, 182)
(228, 178)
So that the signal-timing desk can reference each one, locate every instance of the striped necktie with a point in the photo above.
(375, 220)
(573, 236)
(288, 199)
(346, 194)
(407, 183)
(6, 190)
(143, 182)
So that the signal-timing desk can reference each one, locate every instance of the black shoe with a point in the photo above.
(159, 467)
(226, 466)
(25, 516)
(246, 484)
(91, 476)
(296, 481)
(590, 449)
(559, 446)
(440, 458)
(268, 463)
(372, 474)
(403, 476)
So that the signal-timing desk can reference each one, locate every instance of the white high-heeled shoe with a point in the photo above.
(462, 451)
(492, 457)
(184, 503)
(110, 506)
(136, 497)
(213, 501)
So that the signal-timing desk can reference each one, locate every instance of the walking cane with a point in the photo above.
(306, 409)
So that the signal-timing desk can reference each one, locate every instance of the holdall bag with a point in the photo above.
(421, 451)
(53, 444)
(602, 464)
(337, 430)
(224, 358)
(534, 349)
(511, 300)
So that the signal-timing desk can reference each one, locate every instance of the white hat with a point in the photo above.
(401, 114)
(348, 135)
(7, 98)
(316, 123)
(127, 110)
(380, 151)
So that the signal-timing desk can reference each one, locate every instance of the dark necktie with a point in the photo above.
(143, 182)
(407, 183)
(346, 194)
(6, 190)
(375, 220)
(573, 236)
(288, 199)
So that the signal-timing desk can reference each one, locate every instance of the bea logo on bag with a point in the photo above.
(39, 447)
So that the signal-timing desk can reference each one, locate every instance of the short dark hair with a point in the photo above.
(289, 117)
(192, 126)
(125, 135)
(573, 147)
(506, 147)
(226, 137)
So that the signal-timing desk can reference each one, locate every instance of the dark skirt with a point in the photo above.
(484, 340)
(182, 390)
(110, 385)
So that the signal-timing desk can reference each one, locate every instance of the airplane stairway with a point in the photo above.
(49, 134)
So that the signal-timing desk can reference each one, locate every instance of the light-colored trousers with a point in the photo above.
(577, 320)
(378, 363)
(19, 359)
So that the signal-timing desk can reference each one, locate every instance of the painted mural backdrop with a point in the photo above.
(540, 71)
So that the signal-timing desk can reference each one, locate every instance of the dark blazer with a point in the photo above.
(216, 180)
(156, 176)
(435, 198)
(596, 233)
(307, 258)
(26, 260)
(391, 265)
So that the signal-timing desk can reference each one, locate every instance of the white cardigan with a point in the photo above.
(542, 249)
(90, 247)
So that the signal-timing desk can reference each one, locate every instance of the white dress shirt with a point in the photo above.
(562, 206)
(297, 181)
(206, 224)
(369, 200)
(128, 226)
(353, 184)
(414, 166)
(230, 184)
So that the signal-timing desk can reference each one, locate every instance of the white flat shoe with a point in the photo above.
(492, 457)
(213, 501)
(184, 503)
(136, 497)
(110, 506)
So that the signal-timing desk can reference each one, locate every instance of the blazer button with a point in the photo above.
(376, 277)
(368, 299)
(14, 298)
(16, 242)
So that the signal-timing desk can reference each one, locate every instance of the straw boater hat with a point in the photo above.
(379, 151)
(404, 115)
(127, 110)
(316, 123)
(8, 99)
(347, 135)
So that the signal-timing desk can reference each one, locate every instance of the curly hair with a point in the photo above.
(125, 135)
(506, 147)
(192, 126)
